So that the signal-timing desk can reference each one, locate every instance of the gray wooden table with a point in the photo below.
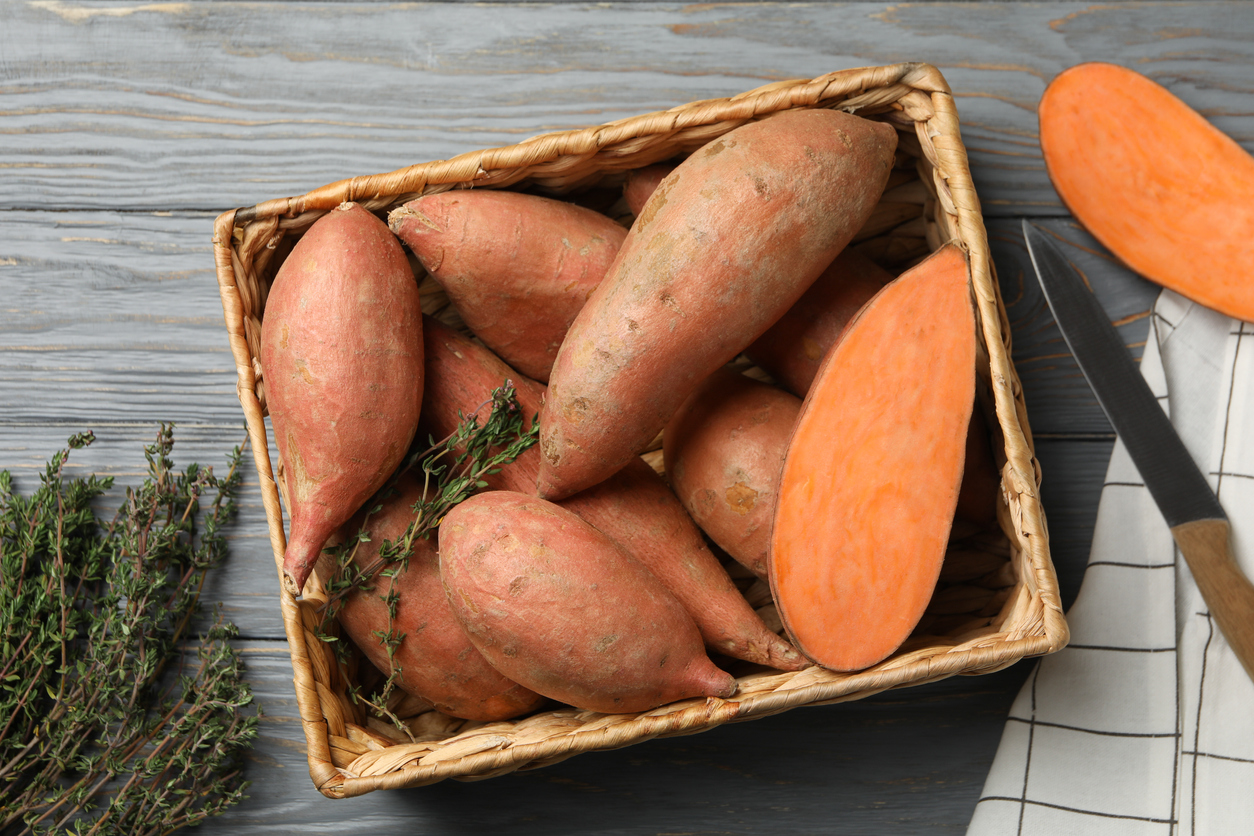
(124, 129)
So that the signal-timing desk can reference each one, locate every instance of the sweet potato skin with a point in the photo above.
(341, 353)
(727, 243)
(1162, 188)
(981, 483)
(724, 450)
(435, 658)
(555, 604)
(634, 507)
(792, 349)
(871, 479)
(641, 183)
(517, 267)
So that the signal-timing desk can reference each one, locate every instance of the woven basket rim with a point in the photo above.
(907, 93)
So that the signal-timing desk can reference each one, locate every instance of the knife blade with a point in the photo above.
(1192, 511)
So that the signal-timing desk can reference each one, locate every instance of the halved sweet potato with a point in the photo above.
(871, 480)
(1164, 189)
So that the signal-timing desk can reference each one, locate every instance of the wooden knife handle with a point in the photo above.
(1207, 547)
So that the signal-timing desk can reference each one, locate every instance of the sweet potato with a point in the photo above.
(633, 507)
(977, 497)
(792, 349)
(435, 658)
(871, 479)
(641, 183)
(517, 267)
(341, 354)
(722, 249)
(558, 606)
(1157, 184)
(724, 450)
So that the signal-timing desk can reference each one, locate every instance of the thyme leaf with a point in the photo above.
(102, 731)
(452, 469)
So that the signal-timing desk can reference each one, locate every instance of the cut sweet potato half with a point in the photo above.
(871, 479)
(1157, 184)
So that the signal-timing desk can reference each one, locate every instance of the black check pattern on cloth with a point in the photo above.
(1144, 724)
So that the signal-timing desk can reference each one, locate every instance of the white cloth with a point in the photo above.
(1144, 724)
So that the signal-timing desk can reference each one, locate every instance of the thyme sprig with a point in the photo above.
(452, 469)
(103, 732)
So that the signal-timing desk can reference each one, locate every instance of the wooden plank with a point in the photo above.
(246, 586)
(213, 105)
(112, 316)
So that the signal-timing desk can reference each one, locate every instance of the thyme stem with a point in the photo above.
(452, 469)
(102, 735)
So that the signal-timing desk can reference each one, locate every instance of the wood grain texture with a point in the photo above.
(112, 316)
(246, 586)
(199, 105)
(124, 128)
(1059, 399)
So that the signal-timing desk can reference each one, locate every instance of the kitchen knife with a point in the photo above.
(1197, 521)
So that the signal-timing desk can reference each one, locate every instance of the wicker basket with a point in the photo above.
(998, 601)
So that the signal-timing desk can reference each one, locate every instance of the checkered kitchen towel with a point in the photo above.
(1144, 724)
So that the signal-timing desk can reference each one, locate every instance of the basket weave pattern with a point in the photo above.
(348, 754)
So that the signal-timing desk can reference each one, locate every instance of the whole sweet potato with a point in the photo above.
(633, 507)
(641, 183)
(728, 242)
(724, 451)
(558, 606)
(341, 354)
(435, 659)
(517, 267)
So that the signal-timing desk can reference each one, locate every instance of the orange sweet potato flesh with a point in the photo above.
(1157, 184)
(871, 479)
(558, 606)
(634, 506)
(517, 267)
(722, 249)
(792, 349)
(724, 450)
(435, 659)
(341, 353)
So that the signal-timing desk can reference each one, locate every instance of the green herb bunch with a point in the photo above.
(452, 469)
(108, 724)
